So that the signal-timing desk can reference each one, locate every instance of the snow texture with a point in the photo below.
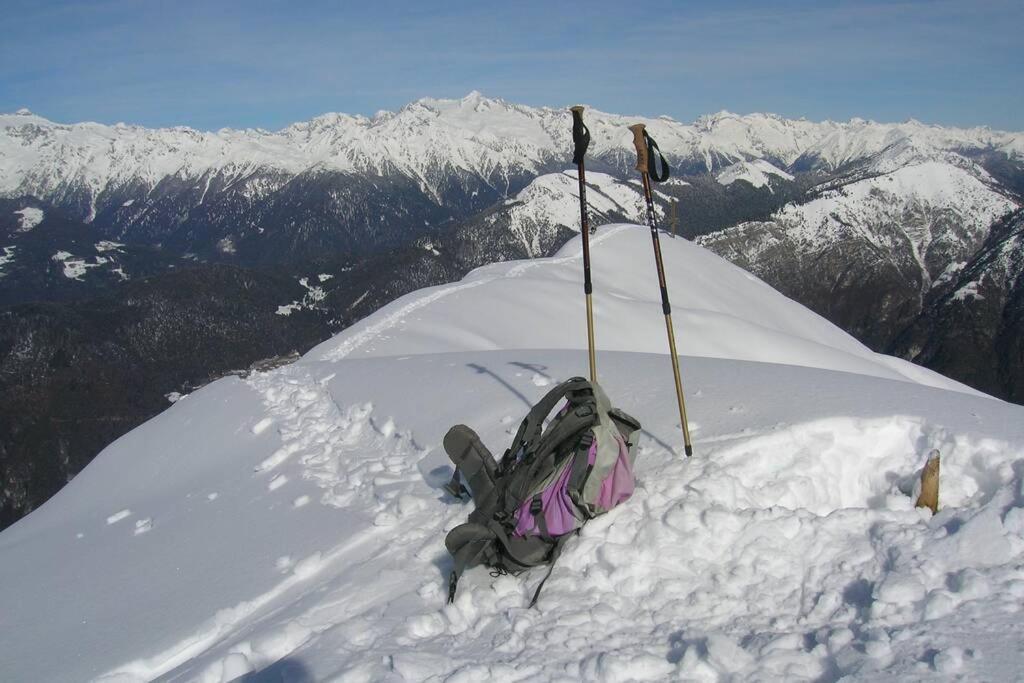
(292, 524)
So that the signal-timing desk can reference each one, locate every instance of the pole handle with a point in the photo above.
(639, 141)
(580, 135)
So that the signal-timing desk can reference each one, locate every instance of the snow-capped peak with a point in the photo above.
(488, 138)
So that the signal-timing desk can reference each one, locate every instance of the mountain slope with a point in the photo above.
(866, 253)
(292, 523)
(972, 323)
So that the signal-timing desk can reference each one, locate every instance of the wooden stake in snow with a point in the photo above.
(929, 497)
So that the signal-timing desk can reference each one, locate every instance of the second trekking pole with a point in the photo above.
(581, 140)
(646, 164)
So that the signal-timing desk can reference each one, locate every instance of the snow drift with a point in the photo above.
(292, 523)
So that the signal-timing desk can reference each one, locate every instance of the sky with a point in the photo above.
(266, 64)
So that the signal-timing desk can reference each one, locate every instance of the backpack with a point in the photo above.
(547, 485)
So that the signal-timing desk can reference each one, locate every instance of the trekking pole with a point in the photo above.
(581, 140)
(645, 149)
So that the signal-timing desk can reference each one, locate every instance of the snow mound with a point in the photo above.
(291, 525)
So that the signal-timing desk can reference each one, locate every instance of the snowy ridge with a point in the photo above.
(487, 138)
(292, 523)
(712, 296)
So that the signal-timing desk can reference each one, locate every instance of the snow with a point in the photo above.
(75, 268)
(7, 257)
(755, 172)
(226, 245)
(313, 296)
(294, 520)
(104, 246)
(936, 185)
(30, 218)
(969, 290)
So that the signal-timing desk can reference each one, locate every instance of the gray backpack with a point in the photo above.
(547, 485)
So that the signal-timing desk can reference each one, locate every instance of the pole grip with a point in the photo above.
(580, 135)
(640, 143)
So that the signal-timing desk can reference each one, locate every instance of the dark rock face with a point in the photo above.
(972, 327)
(867, 294)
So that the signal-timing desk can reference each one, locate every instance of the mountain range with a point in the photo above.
(906, 235)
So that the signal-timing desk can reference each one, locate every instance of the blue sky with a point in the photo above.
(267, 63)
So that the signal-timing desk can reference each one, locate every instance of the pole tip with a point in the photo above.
(689, 450)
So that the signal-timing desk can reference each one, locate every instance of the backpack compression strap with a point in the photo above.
(530, 429)
(656, 157)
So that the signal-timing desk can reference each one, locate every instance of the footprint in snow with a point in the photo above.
(277, 482)
(540, 380)
(143, 525)
(301, 501)
(212, 496)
